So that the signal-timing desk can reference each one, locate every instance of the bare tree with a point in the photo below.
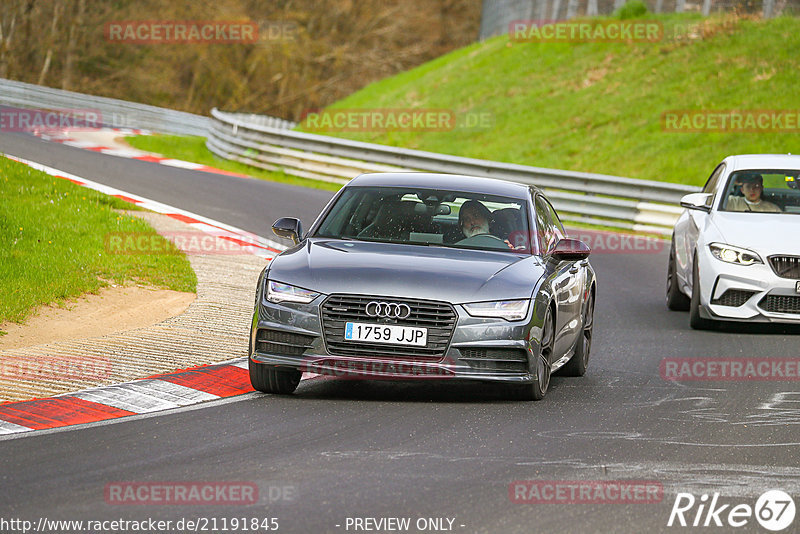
(7, 23)
(72, 44)
(57, 6)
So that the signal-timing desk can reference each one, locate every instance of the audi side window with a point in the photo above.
(536, 230)
(545, 226)
(557, 226)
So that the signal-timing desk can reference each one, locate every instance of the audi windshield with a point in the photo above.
(429, 217)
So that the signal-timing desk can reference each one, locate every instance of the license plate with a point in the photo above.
(797, 287)
(384, 333)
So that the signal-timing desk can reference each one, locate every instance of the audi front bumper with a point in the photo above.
(292, 335)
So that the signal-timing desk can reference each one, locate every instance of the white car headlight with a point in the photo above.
(731, 254)
(280, 292)
(510, 310)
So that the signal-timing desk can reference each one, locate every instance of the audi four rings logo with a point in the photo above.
(390, 310)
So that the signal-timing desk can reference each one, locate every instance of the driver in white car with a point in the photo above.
(752, 187)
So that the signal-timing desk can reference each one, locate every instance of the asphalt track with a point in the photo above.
(380, 449)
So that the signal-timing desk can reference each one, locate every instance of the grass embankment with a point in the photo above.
(594, 107)
(193, 148)
(598, 107)
(53, 243)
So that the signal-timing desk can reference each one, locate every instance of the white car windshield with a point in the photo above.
(429, 217)
(763, 191)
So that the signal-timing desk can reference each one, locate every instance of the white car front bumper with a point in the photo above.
(752, 293)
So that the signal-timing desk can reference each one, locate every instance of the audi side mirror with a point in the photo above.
(570, 250)
(697, 201)
(288, 228)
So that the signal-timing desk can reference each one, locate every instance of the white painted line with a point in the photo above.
(123, 153)
(182, 164)
(80, 144)
(12, 428)
(212, 230)
(242, 364)
(158, 207)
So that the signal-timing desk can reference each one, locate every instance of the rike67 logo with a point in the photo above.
(774, 510)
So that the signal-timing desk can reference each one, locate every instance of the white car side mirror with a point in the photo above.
(697, 201)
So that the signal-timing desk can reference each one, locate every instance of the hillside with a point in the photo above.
(598, 106)
(307, 54)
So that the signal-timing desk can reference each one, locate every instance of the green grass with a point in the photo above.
(193, 148)
(597, 107)
(52, 243)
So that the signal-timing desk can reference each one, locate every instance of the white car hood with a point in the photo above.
(766, 233)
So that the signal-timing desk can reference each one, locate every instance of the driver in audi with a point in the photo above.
(473, 217)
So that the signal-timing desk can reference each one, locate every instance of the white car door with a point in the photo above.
(688, 229)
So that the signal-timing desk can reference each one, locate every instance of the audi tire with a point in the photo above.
(270, 379)
(537, 389)
(577, 365)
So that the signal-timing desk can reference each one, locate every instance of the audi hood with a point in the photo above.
(397, 270)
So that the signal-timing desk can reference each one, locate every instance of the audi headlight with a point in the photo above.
(731, 254)
(510, 310)
(280, 292)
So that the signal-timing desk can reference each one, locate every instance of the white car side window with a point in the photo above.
(713, 180)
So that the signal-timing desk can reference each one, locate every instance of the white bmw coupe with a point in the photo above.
(735, 253)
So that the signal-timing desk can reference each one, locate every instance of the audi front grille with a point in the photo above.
(438, 317)
(786, 266)
(495, 359)
(282, 343)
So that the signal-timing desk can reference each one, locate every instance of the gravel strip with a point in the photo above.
(213, 329)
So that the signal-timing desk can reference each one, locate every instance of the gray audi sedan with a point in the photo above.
(417, 276)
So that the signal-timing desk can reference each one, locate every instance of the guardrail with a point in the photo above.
(269, 143)
(639, 205)
(114, 113)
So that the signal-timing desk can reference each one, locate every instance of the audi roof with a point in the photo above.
(457, 182)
